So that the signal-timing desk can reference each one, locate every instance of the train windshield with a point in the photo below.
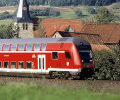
(86, 56)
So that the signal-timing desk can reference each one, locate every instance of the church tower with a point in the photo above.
(23, 21)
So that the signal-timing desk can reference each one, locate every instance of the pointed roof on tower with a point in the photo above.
(22, 14)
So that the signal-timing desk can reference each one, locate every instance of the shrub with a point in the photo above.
(91, 11)
(107, 64)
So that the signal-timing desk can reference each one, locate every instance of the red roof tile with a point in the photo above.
(76, 25)
(108, 32)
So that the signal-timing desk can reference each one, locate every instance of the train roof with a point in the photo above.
(74, 40)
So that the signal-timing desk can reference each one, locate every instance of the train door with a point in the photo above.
(42, 63)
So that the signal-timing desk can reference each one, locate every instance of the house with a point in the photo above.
(52, 25)
(109, 33)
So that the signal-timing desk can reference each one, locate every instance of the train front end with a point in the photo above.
(86, 58)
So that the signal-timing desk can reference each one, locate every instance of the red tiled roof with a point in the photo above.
(76, 25)
(53, 29)
(99, 47)
(108, 32)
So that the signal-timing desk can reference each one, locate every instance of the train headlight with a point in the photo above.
(90, 60)
(82, 61)
(67, 63)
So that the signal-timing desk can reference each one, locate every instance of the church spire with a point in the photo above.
(22, 14)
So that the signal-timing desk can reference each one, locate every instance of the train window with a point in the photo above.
(21, 47)
(54, 55)
(29, 47)
(6, 64)
(44, 47)
(0, 64)
(0, 47)
(67, 55)
(28, 65)
(6, 47)
(37, 47)
(86, 56)
(13, 47)
(20, 64)
(13, 64)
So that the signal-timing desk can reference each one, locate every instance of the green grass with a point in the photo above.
(6, 21)
(30, 92)
(68, 15)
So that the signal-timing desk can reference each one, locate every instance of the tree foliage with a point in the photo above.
(33, 13)
(78, 13)
(6, 31)
(104, 16)
(107, 64)
(92, 11)
(40, 30)
(59, 2)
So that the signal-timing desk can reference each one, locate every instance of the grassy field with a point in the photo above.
(6, 21)
(30, 92)
(68, 12)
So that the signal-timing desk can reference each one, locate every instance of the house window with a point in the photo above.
(21, 64)
(54, 55)
(56, 36)
(25, 26)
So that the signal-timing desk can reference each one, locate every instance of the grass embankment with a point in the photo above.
(6, 21)
(31, 92)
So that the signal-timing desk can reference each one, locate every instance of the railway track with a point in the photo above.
(42, 78)
(96, 86)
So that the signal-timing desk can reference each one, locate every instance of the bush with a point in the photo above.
(91, 11)
(107, 64)
(78, 13)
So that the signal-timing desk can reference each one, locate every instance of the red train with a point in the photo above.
(67, 57)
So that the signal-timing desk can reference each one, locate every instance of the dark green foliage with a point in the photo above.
(107, 64)
(91, 11)
(6, 32)
(104, 16)
(59, 2)
(45, 12)
(33, 13)
(5, 15)
(66, 29)
(78, 13)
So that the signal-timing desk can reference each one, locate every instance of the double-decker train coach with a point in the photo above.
(67, 57)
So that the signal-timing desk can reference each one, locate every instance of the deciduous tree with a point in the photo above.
(104, 16)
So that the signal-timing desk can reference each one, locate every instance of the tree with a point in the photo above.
(107, 64)
(40, 30)
(104, 16)
(6, 32)
(91, 11)
(78, 13)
